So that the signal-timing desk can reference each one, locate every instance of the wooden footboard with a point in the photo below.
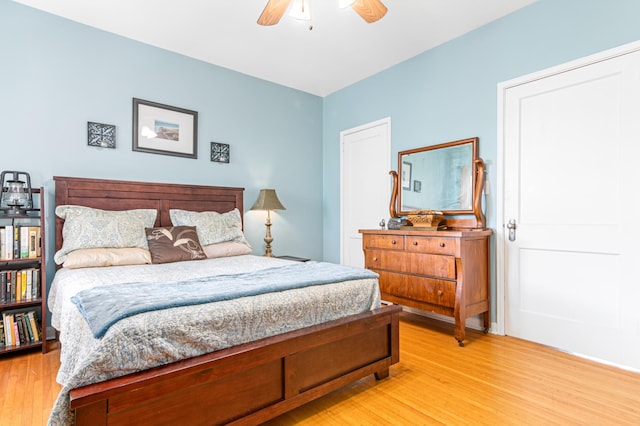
(249, 383)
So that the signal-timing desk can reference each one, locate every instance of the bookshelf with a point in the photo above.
(23, 309)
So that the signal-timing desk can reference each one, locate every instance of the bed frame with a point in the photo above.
(246, 384)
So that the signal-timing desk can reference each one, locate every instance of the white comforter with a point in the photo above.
(160, 337)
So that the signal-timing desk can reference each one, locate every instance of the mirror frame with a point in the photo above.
(395, 206)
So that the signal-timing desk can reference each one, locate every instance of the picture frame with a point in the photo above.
(406, 175)
(220, 152)
(417, 186)
(101, 135)
(164, 129)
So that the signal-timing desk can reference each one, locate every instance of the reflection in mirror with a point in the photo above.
(439, 177)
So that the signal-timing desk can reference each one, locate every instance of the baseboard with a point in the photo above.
(474, 322)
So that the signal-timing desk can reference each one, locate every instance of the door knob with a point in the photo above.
(511, 226)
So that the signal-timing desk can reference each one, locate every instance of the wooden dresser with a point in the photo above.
(446, 272)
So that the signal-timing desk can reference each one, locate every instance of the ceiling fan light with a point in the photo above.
(343, 4)
(301, 10)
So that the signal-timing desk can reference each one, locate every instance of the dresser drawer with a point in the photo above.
(435, 245)
(437, 292)
(395, 242)
(433, 265)
(389, 260)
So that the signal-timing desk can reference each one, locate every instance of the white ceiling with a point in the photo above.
(340, 50)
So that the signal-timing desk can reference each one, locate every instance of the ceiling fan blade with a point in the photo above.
(369, 10)
(273, 11)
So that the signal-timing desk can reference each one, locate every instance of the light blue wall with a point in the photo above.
(450, 92)
(55, 75)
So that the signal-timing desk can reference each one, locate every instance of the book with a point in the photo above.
(24, 242)
(34, 326)
(16, 242)
(24, 335)
(3, 287)
(38, 241)
(11, 275)
(2, 339)
(34, 241)
(28, 286)
(26, 325)
(18, 288)
(3, 241)
(35, 289)
(7, 329)
(16, 332)
(8, 243)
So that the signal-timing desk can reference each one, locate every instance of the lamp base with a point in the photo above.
(267, 238)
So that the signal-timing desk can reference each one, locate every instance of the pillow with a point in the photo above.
(95, 257)
(212, 227)
(85, 227)
(174, 244)
(226, 249)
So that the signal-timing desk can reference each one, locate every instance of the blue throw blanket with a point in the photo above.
(125, 300)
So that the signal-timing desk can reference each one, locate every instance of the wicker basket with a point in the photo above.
(428, 218)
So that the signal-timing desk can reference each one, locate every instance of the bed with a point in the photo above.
(190, 372)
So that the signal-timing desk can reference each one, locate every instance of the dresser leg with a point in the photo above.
(459, 332)
(459, 308)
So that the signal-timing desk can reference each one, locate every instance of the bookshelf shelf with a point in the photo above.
(23, 279)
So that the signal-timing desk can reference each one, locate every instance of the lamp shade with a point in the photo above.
(267, 200)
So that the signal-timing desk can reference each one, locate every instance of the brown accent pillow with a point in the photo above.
(173, 244)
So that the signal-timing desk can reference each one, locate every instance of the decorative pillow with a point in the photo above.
(95, 257)
(213, 227)
(226, 249)
(85, 227)
(174, 244)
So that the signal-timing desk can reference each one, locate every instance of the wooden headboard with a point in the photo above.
(126, 195)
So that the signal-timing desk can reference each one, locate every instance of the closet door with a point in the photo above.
(365, 185)
(571, 189)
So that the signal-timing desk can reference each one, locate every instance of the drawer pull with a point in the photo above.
(393, 242)
(441, 244)
(375, 259)
(439, 293)
(415, 243)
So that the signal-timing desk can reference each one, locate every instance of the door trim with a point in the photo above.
(501, 237)
(343, 134)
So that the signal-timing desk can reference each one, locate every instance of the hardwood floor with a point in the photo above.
(493, 380)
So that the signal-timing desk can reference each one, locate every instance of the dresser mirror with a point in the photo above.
(447, 177)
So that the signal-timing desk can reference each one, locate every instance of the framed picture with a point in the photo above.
(101, 135)
(220, 152)
(163, 129)
(417, 186)
(406, 175)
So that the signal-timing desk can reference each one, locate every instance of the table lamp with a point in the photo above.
(268, 200)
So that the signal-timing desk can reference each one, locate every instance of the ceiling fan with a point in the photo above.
(369, 10)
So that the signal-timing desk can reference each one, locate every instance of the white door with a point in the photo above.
(365, 185)
(572, 189)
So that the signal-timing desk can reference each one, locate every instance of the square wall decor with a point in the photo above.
(219, 152)
(102, 135)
